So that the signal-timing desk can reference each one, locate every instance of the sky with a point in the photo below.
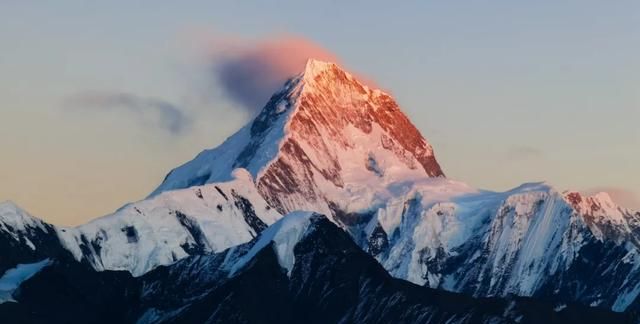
(99, 100)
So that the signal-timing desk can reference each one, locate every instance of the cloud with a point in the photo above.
(249, 72)
(151, 112)
(523, 152)
(621, 196)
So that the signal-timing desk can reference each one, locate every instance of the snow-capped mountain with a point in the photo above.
(530, 241)
(327, 144)
(322, 139)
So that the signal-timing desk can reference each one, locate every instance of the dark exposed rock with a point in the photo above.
(131, 233)
(378, 241)
(248, 212)
(200, 243)
(221, 193)
(199, 193)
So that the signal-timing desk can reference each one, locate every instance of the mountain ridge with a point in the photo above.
(327, 144)
(328, 279)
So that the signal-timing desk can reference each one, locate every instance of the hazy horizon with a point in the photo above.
(98, 102)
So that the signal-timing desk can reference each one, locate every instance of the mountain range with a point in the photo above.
(328, 207)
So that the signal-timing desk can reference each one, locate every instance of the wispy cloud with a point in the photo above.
(246, 71)
(151, 112)
(621, 196)
(249, 72)
(523, 152)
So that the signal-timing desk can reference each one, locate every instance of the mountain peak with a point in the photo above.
(321, 76)
(9, 209)
(314, 67)
(597, 200)
(604, 198)
(321, 137)
(16, 218)
(8, 204)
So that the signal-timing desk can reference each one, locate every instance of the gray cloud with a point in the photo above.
(151, 112)
(250, 72)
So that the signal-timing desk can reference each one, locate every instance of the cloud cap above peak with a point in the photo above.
(249, 72)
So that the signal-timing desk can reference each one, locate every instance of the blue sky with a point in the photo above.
(507, 92)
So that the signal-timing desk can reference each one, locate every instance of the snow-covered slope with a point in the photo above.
(283, 235)
(530, 241)
(170, 226)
